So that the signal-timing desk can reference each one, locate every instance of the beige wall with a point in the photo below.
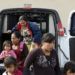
(64, 7)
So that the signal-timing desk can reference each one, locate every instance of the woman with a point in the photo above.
(44, 59)
(19, 48)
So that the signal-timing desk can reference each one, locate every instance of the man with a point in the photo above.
(29, 31)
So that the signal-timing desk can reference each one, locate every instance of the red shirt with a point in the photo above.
(17, 72)
(21, 53)
(19, 26)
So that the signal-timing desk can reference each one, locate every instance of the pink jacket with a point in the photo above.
(7, 53)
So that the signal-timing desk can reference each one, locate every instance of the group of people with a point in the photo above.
(18, 58)
(16, 49)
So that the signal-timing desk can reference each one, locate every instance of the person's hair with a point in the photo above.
(8, 61)
(6, 43)
(17, 34)
(47, 37)
(23, 17)
(37, 40)
(69, 66)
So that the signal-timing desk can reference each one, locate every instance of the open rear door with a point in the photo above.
(72, 37)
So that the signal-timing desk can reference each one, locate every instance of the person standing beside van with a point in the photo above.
(29, 30)
(44, 59)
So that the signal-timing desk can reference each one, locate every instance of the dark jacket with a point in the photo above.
(42, 64)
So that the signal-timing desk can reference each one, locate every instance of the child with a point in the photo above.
(7, 50)
(69, 68)
(10, 64)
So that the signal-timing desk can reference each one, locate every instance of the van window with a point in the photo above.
(72, 25)
(44, 26)
(0, 24)
(5, 24)
(72, 39)
(10, 20)
(51, 25)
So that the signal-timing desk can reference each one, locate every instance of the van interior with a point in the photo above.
(45, 21)
(10, 20)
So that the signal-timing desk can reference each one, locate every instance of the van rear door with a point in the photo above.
(72, 36)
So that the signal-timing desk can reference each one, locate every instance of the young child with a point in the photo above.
(69, 68)
(10, 64)
(7, 51)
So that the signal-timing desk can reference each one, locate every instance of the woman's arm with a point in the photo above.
(25, 52)
(14, 28)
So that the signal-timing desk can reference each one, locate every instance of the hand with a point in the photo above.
(9, 31)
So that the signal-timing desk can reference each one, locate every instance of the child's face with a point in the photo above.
(71, 74)
(7, 47)
(11, 69)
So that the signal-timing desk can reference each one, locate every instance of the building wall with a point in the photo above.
(64, 7)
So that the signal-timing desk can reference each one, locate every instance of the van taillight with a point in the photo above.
(60, 29)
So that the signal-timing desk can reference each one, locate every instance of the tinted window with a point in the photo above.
(72, 26)
(10, 20)
(5, 24)
(51, 25)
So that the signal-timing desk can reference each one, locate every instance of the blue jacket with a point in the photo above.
(36, 32)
